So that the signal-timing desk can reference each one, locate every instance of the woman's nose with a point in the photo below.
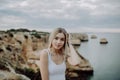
(58, 41)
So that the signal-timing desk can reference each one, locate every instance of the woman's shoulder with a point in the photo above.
(44, 53)
(43, 57)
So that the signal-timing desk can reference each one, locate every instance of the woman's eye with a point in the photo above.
(56, 38)
(62, 39)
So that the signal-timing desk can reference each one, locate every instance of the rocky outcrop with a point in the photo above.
(8, 66)
(103, 41)
(17, 55)
(84, 37)
(93, 36)
(75, 42)
(5, 75)
(81, 36)
(78, 71)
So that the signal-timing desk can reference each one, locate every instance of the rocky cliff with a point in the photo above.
(18, 55)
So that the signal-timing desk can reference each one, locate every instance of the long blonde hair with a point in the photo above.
(53, 35)
(67, 49)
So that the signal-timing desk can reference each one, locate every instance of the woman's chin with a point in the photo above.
(57, 48)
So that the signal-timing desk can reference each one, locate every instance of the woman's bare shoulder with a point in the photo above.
(44, 53)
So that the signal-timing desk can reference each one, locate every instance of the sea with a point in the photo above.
(104, 58)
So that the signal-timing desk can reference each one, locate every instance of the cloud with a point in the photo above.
(68, 13)
(64, 8)
(98, 30)
(11, 21)
(106, 8)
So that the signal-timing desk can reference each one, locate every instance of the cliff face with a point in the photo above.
(18, 55)
(5, 75)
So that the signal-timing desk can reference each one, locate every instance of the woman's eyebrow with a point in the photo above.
(60, 37)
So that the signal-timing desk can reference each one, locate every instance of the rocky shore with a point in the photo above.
(19, 51)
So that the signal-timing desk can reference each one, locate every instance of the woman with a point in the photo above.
(53, 60)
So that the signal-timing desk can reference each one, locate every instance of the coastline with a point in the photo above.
(22, 45)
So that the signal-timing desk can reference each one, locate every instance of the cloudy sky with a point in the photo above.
(73, 15)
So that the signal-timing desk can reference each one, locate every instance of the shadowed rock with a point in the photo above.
(4, 75)
(103, 41)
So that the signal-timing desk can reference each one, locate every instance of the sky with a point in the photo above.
(73, 15)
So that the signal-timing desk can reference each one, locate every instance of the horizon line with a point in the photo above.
(83, 30)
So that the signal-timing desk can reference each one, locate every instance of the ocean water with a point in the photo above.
(105, 58)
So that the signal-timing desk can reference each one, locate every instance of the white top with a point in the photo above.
(56, 72)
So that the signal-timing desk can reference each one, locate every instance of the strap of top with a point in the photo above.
(49, 56)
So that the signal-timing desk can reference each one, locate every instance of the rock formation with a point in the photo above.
(19, 51)
(93, 36)
(103, 41)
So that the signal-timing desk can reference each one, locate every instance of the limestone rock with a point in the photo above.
(5, 75)
(103, 41)
(75, 42)
(93, 36)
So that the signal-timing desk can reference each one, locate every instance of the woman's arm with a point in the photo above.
(44, 65)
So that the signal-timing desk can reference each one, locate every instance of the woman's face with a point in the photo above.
(58, 41)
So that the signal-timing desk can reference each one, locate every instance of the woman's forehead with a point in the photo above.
(61, 35)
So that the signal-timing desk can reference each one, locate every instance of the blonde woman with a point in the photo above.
(53, 60)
